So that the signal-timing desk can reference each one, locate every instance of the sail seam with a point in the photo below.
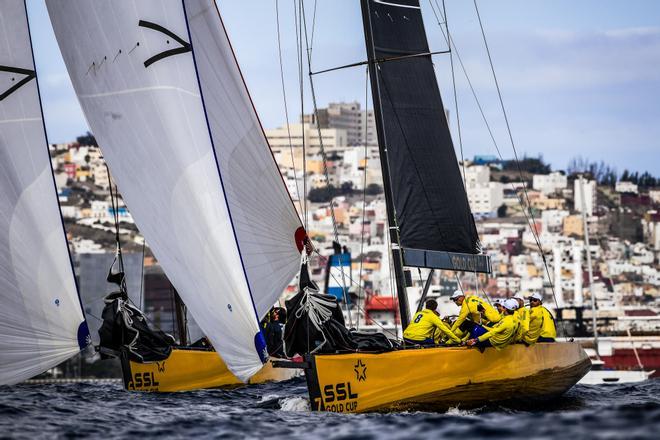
(139, 89)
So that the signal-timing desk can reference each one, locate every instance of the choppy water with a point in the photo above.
(87, 410)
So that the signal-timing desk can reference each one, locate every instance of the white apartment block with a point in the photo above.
(485, 198)
(654, 194)
(281, 140)
(589, 191)
(549, 183)
(475, 175)
(100, 173)
(626, 187)
(359, 124)
(553, 219)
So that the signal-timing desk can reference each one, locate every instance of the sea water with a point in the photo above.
(279, 410)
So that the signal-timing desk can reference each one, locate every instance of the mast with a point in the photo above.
(590, 271)
(395, 247)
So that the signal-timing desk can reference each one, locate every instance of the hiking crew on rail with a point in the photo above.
(481, 325)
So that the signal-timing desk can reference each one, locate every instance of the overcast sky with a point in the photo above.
(577, 78)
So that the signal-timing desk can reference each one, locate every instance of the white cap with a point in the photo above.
(519, 296)
(536, 295)
(457, 294)
(511, 304)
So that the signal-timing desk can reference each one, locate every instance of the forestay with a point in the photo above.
(41, 321)
(136, 77)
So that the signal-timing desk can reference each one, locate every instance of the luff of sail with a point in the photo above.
(171, 148)
(428, 196)
(263, 214)
(41, 320)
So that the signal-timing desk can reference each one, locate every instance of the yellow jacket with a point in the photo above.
(471, 308)
(424, 325)
(524, 318)
(536, 318)
(541, 323)
(502, 333)
(548, 329)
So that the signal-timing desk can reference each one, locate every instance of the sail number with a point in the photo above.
(339, 397)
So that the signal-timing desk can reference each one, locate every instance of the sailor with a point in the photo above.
(499, 306)
(274, 331)
(474, 308)
(523, 317)
(422, 330)
(503, 332)
(542, 323)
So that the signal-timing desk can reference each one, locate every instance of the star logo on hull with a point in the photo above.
(360, 371)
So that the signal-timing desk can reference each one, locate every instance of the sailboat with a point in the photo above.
(41, 319)
(163, 94)
(431, 227)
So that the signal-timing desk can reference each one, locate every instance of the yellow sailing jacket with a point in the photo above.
(473, 307)
(424, 325)
(503, 333)
(523, 316)
(548, 330)
(536, 318)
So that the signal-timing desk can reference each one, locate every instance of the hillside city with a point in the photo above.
(622, 216)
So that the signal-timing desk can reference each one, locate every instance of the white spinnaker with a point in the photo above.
(40, 313)
(263, 215)
(145, 108)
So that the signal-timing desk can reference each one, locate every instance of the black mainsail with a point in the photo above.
(427, 202)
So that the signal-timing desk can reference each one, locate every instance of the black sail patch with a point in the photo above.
(185, 46)
(15, 82)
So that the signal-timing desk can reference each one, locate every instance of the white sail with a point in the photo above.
(133, 70)
(41, 321)
(263, 214)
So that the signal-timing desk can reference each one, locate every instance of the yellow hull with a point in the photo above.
(186, 370)
(437, 378)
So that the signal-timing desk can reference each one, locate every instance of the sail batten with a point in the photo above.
(173, 120)
(429, 201)
(41, 319)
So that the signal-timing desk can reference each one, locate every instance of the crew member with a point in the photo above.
(523, 317)
(474, 308)
(274, 331)
(424, 326)
(499, 306)
(502, 333)
(542, 323)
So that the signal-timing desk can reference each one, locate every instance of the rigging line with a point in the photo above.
(515, 153)
(299, 60)
(454, 49)
(322, 149)
(144, 243)
(380, 61)
(376, 322)
(318, 126)
(311, 42)
(351, 280)
(364, 180)
(453, 82)
(286, 107)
